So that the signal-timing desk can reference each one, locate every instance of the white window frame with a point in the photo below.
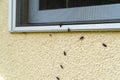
(56, 28)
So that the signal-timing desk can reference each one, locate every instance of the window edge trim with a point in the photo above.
(67, 28)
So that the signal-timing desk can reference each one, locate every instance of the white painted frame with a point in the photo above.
(57, 28)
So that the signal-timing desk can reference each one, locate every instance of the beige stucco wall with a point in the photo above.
(38, 56)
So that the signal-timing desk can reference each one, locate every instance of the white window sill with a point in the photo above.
(66, 28)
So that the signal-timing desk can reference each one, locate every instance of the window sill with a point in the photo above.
(68, 28)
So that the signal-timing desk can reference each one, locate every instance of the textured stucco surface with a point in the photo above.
(39, 56)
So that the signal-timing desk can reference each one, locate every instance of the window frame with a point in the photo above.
(56, 28)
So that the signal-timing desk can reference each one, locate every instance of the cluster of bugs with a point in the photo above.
(65, 53)
(61, 66)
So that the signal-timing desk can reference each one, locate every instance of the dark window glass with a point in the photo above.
(52, 4)
(80, 3)
(57, 4)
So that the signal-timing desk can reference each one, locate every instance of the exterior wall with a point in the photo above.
(39, 56)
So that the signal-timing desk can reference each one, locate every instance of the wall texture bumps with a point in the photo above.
(57, 56)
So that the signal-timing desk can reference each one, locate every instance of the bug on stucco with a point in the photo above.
(65, 53)
(61, 66)
(82, 37)
(104, 45)
(57, 78)
(50, 35)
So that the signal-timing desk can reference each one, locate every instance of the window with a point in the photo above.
(64, 15)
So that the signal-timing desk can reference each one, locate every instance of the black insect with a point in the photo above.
(62, 66)
(24, 33)
(65, 53)
(60, 25)
(82, 37)
(57, 78)
(69, 30)
(104, 45)
(50, 35)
